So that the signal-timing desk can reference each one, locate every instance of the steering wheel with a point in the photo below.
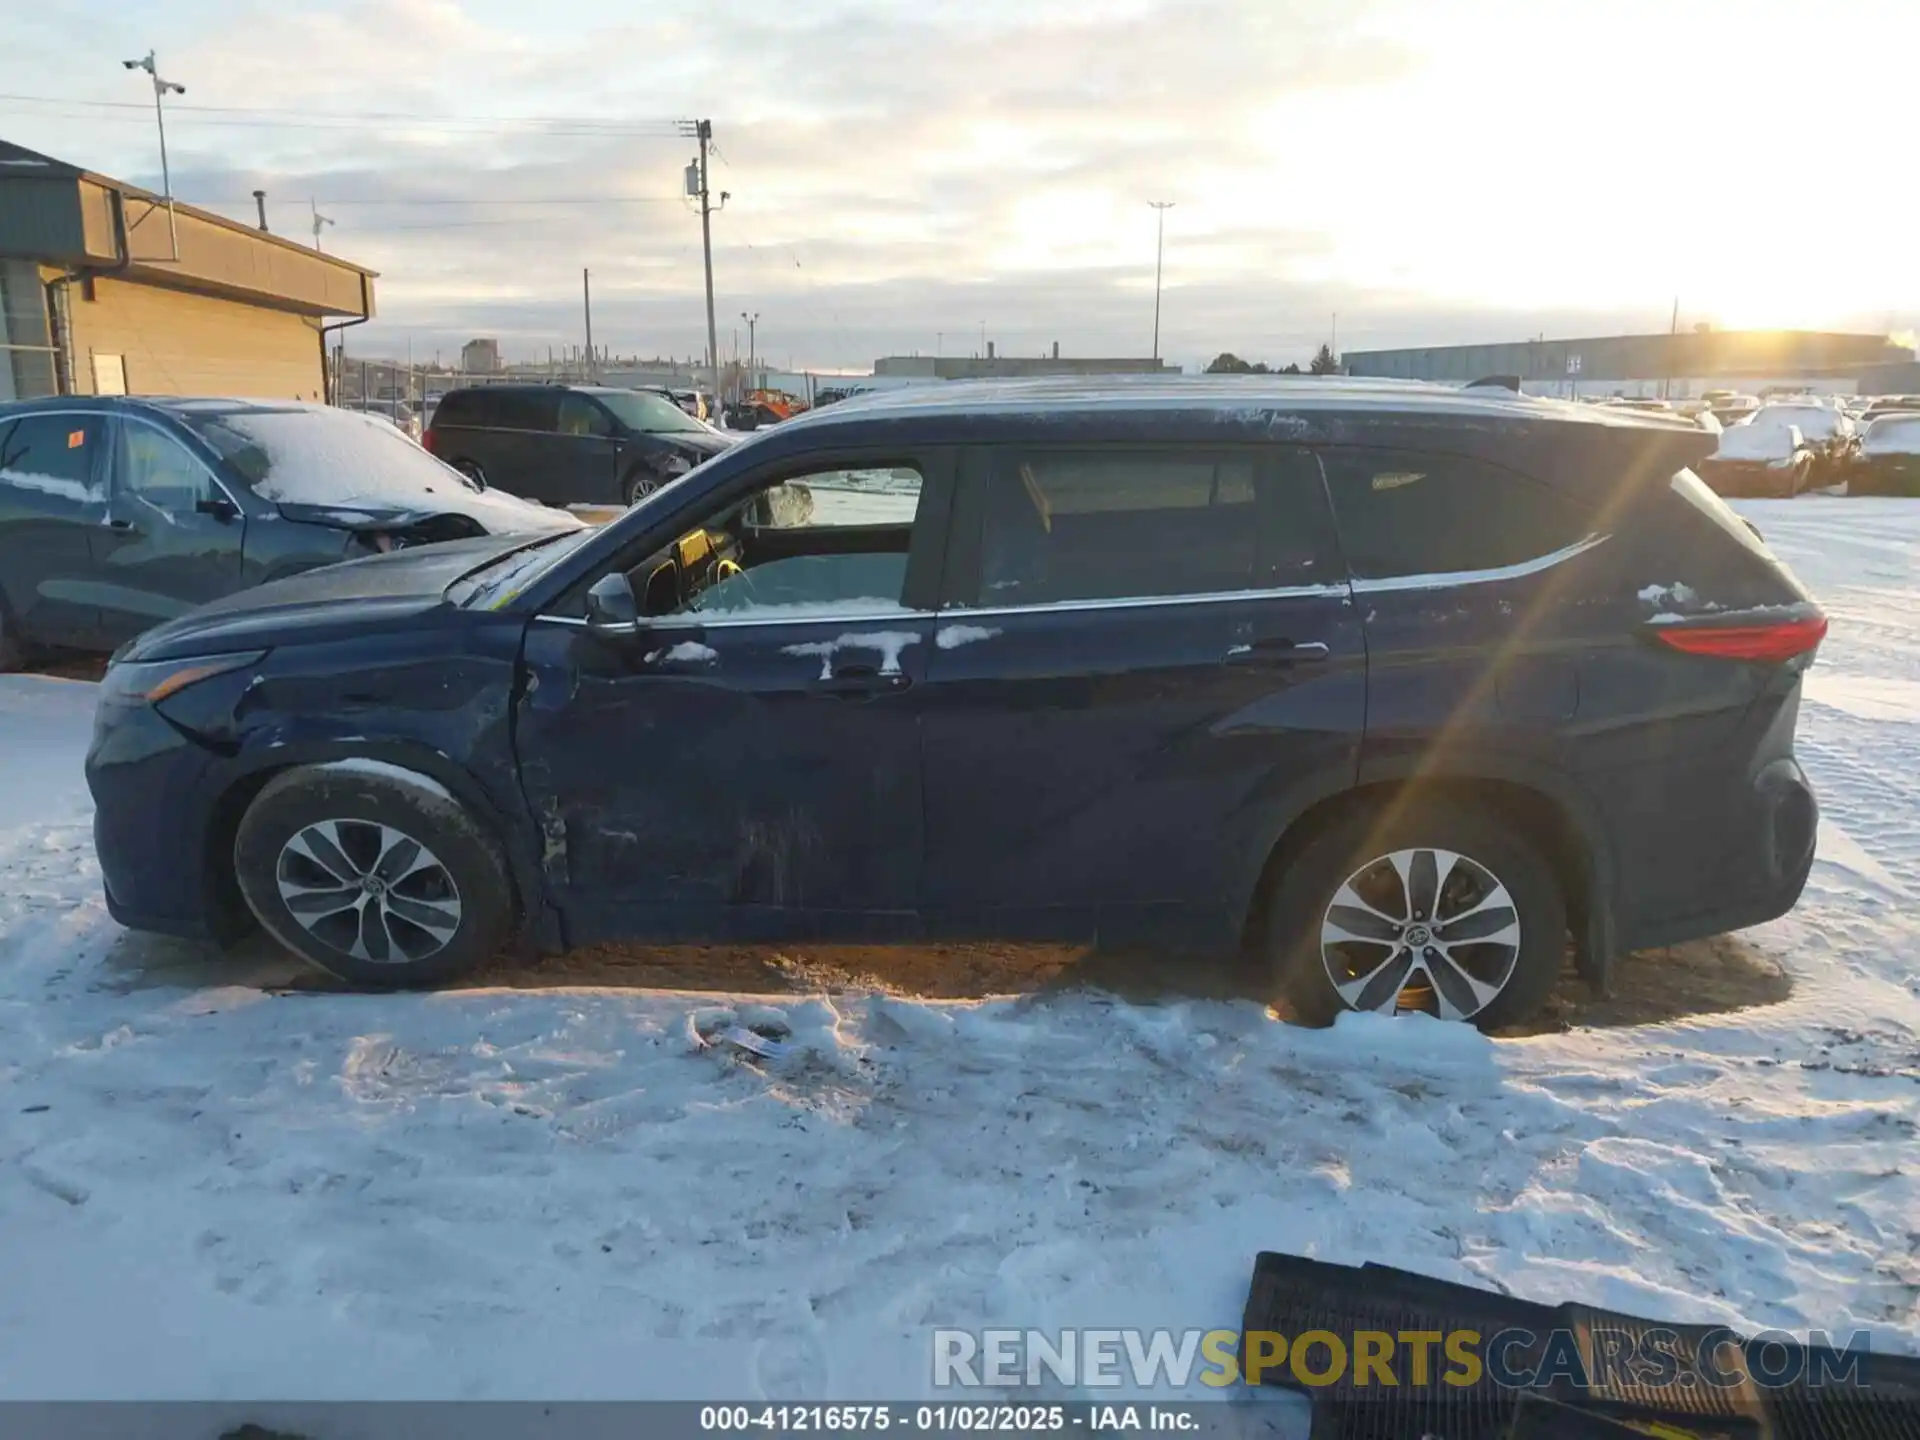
(738, 581)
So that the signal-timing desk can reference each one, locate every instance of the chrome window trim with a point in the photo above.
(1218, 597)
(1445, 579)
(684, 621)
(1136, 602)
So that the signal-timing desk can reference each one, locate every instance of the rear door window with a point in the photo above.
(526, 410)
(462, 407)
(1404, 513)
(56, 456)
(1107, 525)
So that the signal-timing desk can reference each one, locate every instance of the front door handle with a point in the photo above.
(1276, 652)
(862, 680)
(119, 524)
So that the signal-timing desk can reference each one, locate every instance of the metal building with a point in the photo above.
(1681, 364)
(104, 289)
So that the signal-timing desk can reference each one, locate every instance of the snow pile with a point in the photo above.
(1892, 435)
(215, 1187)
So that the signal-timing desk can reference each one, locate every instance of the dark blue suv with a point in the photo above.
(1399, 688)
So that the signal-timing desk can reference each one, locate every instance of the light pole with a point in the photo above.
(160, 88)
(1160, 208)
(753, 350)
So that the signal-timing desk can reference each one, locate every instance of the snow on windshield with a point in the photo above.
(1893, 435)
(316, 455)
(1756, 442)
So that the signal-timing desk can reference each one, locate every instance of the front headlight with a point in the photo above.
(156, 680)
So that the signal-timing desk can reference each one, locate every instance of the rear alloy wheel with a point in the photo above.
(380, 879)
(1453, 915)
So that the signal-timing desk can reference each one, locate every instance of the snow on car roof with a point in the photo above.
(1896, 434)
(1817, 422)
(1224, 393)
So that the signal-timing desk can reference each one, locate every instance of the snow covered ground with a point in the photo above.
(210, 1187)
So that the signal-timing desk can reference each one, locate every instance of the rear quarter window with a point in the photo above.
(54, 456)
(1403, 513)
(462, 407)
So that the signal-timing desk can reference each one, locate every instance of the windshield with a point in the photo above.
(314, 455)
(649, 414)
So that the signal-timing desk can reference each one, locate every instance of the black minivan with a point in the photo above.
(569, 444)
(1396, 687)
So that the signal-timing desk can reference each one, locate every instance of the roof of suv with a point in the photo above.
(1228, 394)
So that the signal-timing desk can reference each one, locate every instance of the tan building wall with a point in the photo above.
(170, 342)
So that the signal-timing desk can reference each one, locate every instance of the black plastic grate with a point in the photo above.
(1636, 1376)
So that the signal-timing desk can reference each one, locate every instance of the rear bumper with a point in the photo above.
(1754, 479)
(1768, 853)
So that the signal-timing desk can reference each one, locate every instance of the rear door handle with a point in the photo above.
(1276, 652)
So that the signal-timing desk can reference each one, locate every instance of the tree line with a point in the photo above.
(1324, 362)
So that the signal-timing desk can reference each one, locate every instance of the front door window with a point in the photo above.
(157, 470)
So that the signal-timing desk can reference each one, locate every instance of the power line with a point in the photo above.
(574, 200)
(665, 127)
(392, 128)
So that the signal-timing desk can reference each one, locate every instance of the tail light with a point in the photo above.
(1762, 644)
(426, 441)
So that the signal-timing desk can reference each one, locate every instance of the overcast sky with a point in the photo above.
(904, 171)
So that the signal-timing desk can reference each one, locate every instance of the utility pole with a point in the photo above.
(586, 300)
(160, 88)
(1160, 208)
(1673, 328)
(319, 220)
(753, 347)
(697, 185)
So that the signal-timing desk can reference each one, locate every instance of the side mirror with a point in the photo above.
(611, 608)
(217, 506)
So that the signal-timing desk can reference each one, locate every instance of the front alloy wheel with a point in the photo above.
(378, 876)
(1422, 930)
(369, 891)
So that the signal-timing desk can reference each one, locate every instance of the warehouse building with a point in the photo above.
(1680, 365)
(106, 289)
(1006, 367)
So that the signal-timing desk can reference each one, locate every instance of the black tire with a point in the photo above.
(468, 879)
(641, 484)
(471, 469)
(1352, 848)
